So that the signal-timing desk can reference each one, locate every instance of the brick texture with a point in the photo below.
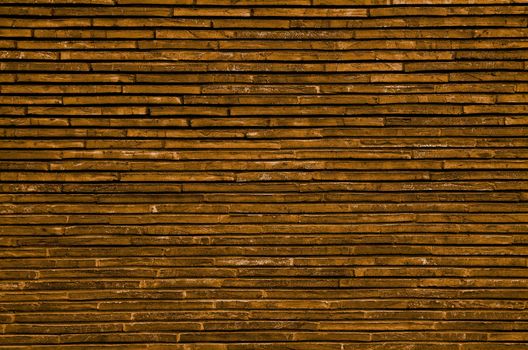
(264, 175)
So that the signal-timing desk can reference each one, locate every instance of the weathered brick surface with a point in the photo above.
(263, 175)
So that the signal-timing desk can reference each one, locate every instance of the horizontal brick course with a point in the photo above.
(263, 175)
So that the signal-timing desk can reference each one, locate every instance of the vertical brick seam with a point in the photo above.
(262, 175)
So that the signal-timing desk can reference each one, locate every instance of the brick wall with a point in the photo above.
(258, 174)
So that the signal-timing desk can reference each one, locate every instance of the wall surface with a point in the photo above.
(263, 175)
